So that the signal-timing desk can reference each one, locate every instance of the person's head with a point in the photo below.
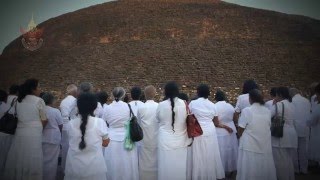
(29, 87)
(293, 92)
(312, 88)
(85, 87)
(3, 96)
(273, 92)
(317, 92)
(118, 93)
(255, 96)
(87, 103)
(48, 98)
(171, 91)
(135, 93)
(72, 90)
(183, 96)
(249, 85)
(102, 97)
(282, 94)
(150, 92)
(14, 89)
(203, 91)
(220, 96)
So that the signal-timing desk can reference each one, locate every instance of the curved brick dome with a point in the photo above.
(150, 42)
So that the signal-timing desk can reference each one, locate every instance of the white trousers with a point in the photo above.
(50, 160)
(300, 158)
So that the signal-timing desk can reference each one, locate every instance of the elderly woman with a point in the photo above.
(283, 147)
(173, 138)
(206, 160)
(255, 151)
(122, 164)
(228, 142)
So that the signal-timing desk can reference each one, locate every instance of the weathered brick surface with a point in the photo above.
(150, 42)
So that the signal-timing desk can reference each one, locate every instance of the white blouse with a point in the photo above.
(90, 160)
(205, 111)
(302, 111)
(30, 112)
(135, 106)
(149, 123)
(225, 113)
(116, 115)
(242, 102)
(256, 120)
(51, 132)
(290, 138)
(168, 138)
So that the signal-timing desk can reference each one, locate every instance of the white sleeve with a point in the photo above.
(314, 118)
(102, 128)
(243, 120)
(238, 105)
(59, 117)
(41, 107)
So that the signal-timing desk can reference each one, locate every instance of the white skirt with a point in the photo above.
(255, 166)
(206, 160)
(148, 163)
(50, 160)
(5, 143)
(121, 164)
(172, 164)
(228, 146)
(102, 176)
(314, 145)
(25, 158)
(283, 160)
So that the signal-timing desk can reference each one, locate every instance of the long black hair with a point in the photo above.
(87, 103)
(27, 87)
(171, 91)
(249, 85)
(283, 92)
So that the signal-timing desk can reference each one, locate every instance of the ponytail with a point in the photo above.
(173, 113)
(84, 119)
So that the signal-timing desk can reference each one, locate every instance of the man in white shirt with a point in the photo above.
(146, 114)
(69, 110)
(302, 112)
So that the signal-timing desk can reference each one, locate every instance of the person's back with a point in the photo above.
(148, 121)
(257, 135)
(88, 161)
(225, 113)
(164, 115)
(117, 114)
(302, 111)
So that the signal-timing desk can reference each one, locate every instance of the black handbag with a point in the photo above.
(136, 133)
(9, 122)
(277, 123)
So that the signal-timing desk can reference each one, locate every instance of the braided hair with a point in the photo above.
(87, 103)
(171, 91)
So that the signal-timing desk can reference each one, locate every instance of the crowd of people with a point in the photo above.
(89, 133)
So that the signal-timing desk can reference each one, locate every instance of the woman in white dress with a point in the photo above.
(206, 159)
(228, 142)
(87, 134)
(122, 164)
(284, 147)
(5, 139)
(314, 122)
(255, 151)
(25, 157)
(172, 137)
(243, 99)
(51, 138)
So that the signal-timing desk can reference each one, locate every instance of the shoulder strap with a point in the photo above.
(13, 102)
(131, 112)
(276, 109)
(187, 108)
(282, 116)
